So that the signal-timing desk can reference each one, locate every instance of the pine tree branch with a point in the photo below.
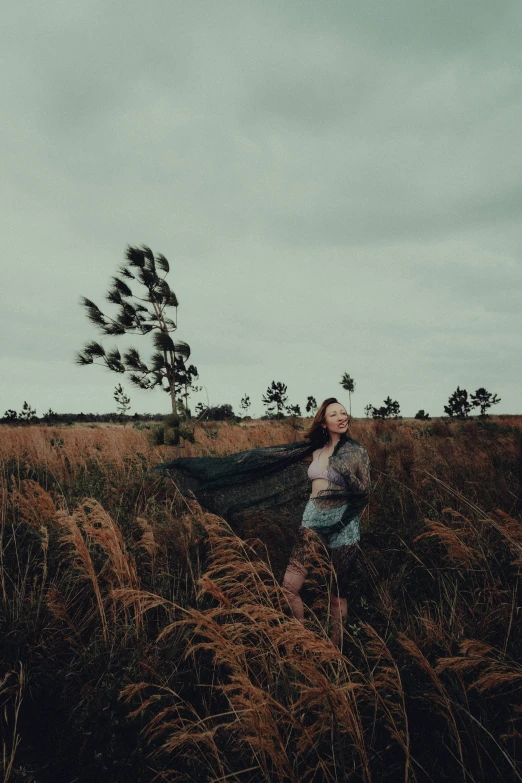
(163, 264)
(121, 286)
(114, 297)
(182, 349)
(123, 270)
(163, 341)
(135, 257)
(133, 361)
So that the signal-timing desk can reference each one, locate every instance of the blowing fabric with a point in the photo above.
(275, 476)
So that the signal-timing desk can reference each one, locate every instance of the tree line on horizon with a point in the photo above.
(275, 400)
(153, 311)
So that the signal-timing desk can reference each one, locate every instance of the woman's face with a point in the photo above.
(336, 419)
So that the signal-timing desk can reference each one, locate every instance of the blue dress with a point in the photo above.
(316, 519)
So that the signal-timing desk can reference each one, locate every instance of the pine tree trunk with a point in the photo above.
(173, 396)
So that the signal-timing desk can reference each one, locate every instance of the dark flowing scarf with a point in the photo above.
(272, 477)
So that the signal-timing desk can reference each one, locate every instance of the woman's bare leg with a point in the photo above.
(292, 583)
(339, 608)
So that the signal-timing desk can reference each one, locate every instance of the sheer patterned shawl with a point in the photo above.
(272, 476)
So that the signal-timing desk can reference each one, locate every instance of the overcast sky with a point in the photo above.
(337, 187)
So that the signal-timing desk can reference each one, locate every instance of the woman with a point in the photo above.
(340, 476)
(276, 477)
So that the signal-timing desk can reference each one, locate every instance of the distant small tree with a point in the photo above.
(276, 396)
(27, 413)
(219, 412)
(390, 409)
(458, 404)
(245, 404)
(422, 415)
(293, 410)
(483, 399)
(50, 416)
(200, 409)
(311, 406)
(368, 409)
(122, 401)
(393, 407)
(348, 385)
(11, 415)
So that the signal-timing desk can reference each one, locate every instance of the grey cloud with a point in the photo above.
(432, 29)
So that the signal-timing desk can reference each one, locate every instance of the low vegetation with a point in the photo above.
(143, 639)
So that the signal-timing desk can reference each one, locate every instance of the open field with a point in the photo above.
(142, 639)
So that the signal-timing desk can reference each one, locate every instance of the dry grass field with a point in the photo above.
(143, 639)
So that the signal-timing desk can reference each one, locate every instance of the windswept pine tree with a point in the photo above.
(483, 399)
(458, 405)
(146, 312)
(275, 396)
(122, 400)
(348, 384)
(245, 404)
(390, 409)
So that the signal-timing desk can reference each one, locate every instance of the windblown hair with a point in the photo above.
(315, 432)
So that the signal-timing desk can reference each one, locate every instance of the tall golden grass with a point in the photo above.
(158, 643)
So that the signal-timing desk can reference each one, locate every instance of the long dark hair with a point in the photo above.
(316, 432)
